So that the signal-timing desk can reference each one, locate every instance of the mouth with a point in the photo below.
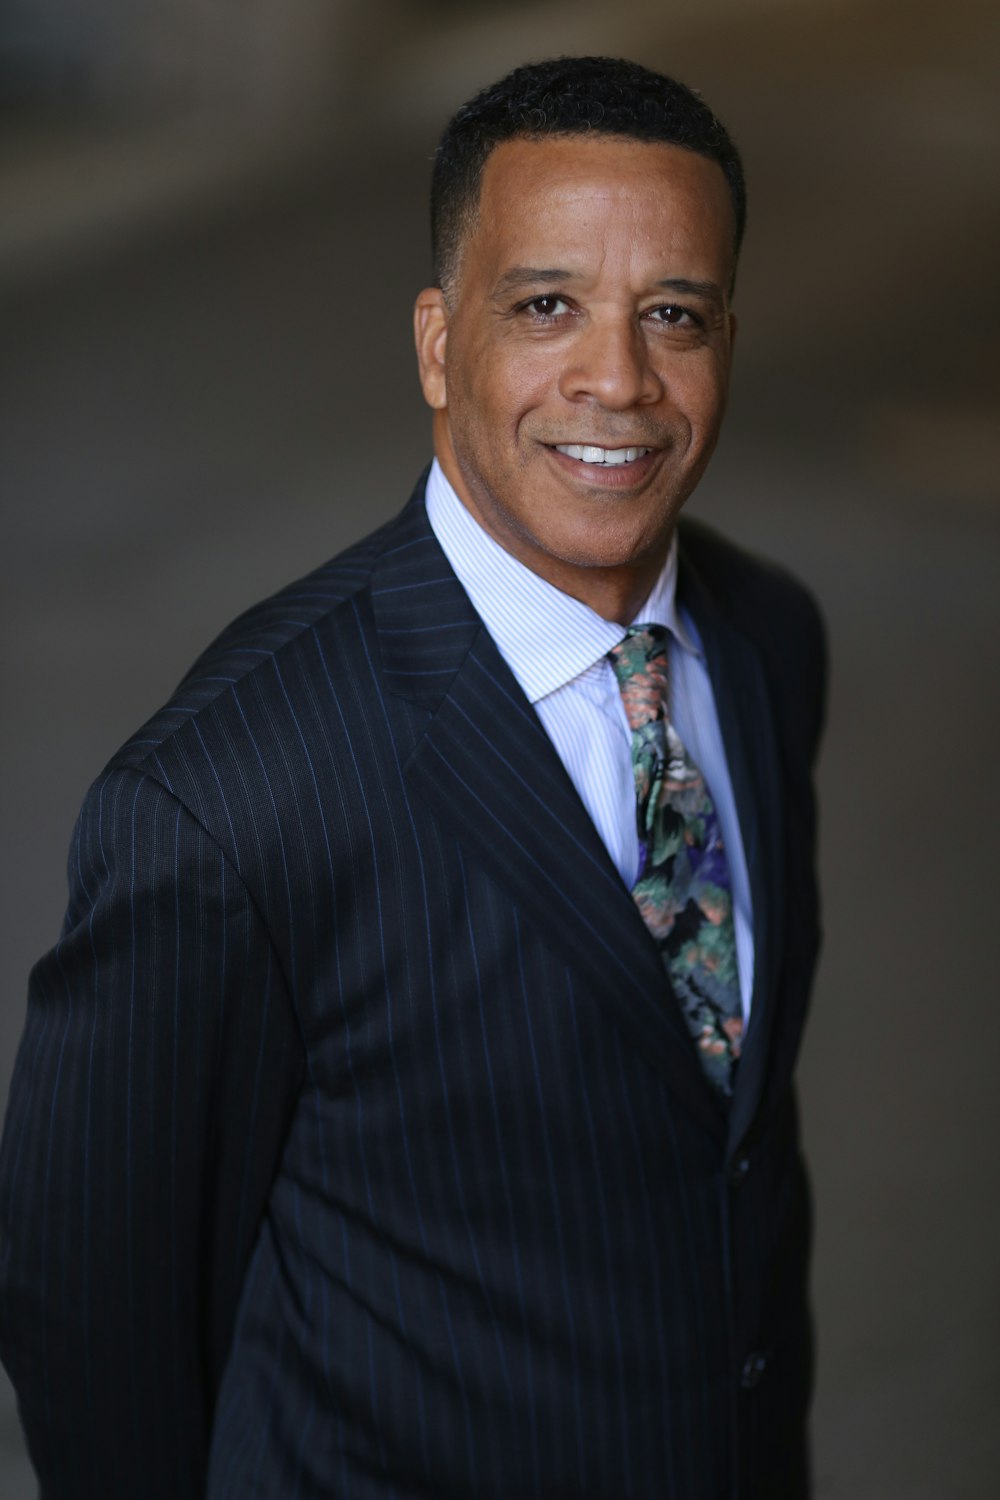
(590, 453)
(623, 470)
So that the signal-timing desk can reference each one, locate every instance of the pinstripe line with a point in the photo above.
(25, 1062)
(233, 1414)
(516, 702)
(694, 1277)
(47, 1192)
(373, 1393)
(266, 1424)
(655, 1249)
(504, 1176)
(301, 1450)
(435, 629)
(224, 1419)
(411, 587)
(605, 1238)
(332, 596)
(129, 1206)
(280, 842)
(255, 1100)
(556, 1217)
(335, 938)
(210, 763)
(305, 1312)
(223, 959)
(730, 1300)
(417, 541)
(349, 1281)
(86, 1186)
(174, 1095)
(448, 671)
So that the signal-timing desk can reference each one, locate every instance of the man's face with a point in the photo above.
(578, 371)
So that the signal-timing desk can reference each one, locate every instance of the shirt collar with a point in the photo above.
(546, 637)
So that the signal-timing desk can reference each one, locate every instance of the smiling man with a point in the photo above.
(406, 1108)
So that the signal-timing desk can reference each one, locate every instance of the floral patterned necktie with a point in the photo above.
(683, 890)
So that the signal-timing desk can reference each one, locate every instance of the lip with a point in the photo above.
(608, 476)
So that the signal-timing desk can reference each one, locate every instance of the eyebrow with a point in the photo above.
(519, 277)
(707, 289)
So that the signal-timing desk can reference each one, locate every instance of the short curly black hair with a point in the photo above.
(567, 96)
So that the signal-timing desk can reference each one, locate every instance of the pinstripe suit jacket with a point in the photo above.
(356, 1145)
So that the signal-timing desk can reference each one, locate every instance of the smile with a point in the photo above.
(588, 453)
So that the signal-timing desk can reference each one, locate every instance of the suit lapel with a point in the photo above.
(747, 724)
(488, 770)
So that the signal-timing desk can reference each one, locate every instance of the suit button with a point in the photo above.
(739, 1171)
(753, 1371)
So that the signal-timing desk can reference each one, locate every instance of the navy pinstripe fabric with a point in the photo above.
(356, 1146)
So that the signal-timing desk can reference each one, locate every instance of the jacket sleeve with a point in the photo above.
(151, 1094)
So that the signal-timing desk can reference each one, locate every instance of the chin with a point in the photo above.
(621, 549)
(608, 557)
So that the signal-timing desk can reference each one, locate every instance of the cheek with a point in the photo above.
(496, 398)
(705, 393)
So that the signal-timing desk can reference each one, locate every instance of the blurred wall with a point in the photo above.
(253, 60)
(215, 224)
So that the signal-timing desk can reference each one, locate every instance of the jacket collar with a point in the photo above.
(486, 767)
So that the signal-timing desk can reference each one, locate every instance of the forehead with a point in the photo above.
(579, 195)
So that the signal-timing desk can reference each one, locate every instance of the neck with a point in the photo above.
(613, 593)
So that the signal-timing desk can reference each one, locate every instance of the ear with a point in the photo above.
(430, 330)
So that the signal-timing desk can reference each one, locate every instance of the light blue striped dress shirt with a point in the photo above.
(557, 648)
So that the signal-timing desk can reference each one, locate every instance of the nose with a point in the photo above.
(609, 362)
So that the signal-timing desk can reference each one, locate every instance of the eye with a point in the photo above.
(675, 316)
(545, 307)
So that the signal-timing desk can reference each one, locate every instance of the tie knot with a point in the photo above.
(640, 662)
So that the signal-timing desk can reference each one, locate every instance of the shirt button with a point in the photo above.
(739, 1171)
(753, 1371)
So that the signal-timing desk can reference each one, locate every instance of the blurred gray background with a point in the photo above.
(212, 231)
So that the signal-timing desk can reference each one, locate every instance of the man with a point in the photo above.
(406, 1108)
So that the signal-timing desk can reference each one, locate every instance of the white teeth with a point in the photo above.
(588, 453)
